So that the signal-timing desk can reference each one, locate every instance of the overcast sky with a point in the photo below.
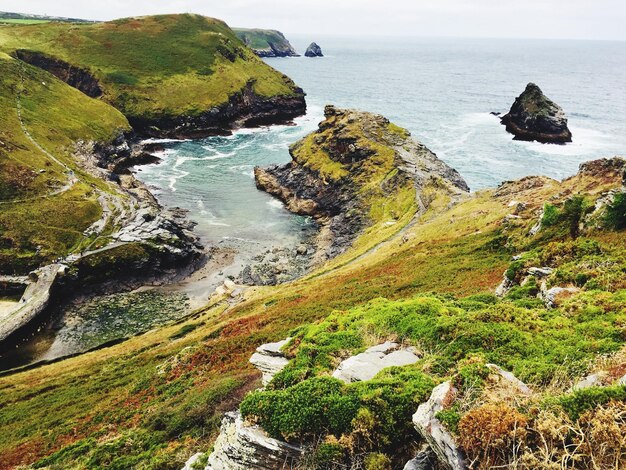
(586, 19)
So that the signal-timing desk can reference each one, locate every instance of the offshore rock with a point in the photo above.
(534, 116)
(313, 50)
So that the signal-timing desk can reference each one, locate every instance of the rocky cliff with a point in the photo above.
(266, 42)
(534, 116)
(355, 172)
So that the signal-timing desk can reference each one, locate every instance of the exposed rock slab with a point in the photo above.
(269, 359)
(243, 447)
(534, 116)
(433, 431)
(366, 365)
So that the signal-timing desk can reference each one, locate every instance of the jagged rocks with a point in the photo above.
(366, 365)
(534, 116)
(313, 50)
(240, 446)
(353, 151)
(433, 431)
(269, 359)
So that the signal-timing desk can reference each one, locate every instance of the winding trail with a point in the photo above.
(72, 179)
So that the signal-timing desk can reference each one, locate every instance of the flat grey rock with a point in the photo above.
(366, 365)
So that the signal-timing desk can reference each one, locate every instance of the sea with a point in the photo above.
(442, 90)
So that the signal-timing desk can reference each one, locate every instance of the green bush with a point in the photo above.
(615, 216)
(580, 401)
(551, 215)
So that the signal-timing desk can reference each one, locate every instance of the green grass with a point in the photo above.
(35, 227)
(169, 76)
(260, 38)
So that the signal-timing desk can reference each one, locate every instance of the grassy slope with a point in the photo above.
(155, 399)
(56, 116)
(259, 38)
(182, 67)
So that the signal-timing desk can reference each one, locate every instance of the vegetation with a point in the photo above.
(43, 211)
(155, 399)
(188, 63)
(260, 39)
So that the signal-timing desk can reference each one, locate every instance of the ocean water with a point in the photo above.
(442, 90)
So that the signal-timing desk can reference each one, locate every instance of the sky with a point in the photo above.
(554, 19)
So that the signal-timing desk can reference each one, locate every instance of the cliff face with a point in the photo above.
(243, 109)
(534, 116)
(356, 172)
(266, 42)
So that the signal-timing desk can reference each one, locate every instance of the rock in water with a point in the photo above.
(314, 50)
(534, 116)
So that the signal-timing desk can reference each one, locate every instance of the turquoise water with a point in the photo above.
(442, 90)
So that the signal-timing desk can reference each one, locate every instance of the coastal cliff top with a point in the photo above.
(266, 42)
(153, 66)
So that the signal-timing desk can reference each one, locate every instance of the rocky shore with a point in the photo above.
(243, 109)
(534, 116)
(353, 161)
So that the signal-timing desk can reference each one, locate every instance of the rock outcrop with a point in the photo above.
(244, 446)
(366, 365)
(313, 50)
(266, 42)
(243, 109)
(534, 116)
(432, 430)
(241, 446)
(356, 160)
(269, 359)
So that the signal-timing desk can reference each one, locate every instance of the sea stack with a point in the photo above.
(534, 116)
(314, 50)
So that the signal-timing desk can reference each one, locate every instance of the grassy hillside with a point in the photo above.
(158, 66)
(44, 207)
(154, 400)
(266, 42)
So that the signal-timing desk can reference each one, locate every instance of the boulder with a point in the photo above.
(269, 359)
(534, 116)
(241, 446)
(432, 430)
(366, 365)
(313, 50)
